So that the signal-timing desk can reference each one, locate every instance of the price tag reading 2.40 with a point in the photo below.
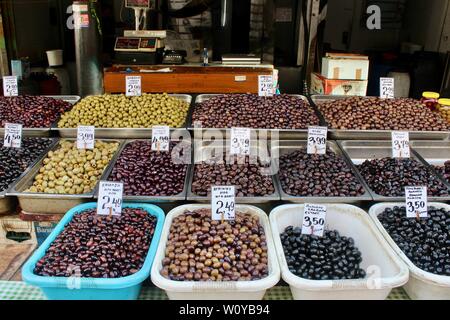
(86, 137)
(223, 203)
(133, 86)
(317, 140)
(400, 145)
(13, 136)
(416, 202)
(110, 198)
(10, 86)
(240, 141)
(314, 217)
(161, 138)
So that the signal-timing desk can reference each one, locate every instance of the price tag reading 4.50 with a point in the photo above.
(387, 88)
(223, 203)
(265, 86)
(86, 137)
(161, 138)
(416, 202)
(13, 136)
(10, 86)
(133, 86)
(314, 218)
(400, 145)
(317, 140)
(110, 198)
(240, 141)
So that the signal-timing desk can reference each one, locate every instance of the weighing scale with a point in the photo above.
(140, 46)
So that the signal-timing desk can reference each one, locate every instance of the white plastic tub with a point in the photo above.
(240, 290)
(422, 285)
(384, 268)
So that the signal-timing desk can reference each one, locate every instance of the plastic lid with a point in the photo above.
(444, 102)
(431, 95)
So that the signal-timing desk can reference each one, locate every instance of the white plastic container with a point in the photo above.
(384, 268)
(422, 285)
(55, 58)
(241, 290)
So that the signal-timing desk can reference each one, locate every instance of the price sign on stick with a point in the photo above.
(314, 217)
(400, 145)
(416, 202)
(10, 86)
(13, 135)
(161, 138)
(240, 141)
(317, 140)
(110, 199)
(86, 137)
(387, 88)
(223, 203)
(265, 86)
(133, 86)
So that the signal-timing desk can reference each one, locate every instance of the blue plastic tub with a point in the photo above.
(62, 288)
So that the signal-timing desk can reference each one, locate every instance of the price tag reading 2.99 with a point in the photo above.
(416, 202)
(317, 140)
(223, 203)
(110, 198)
(314, 217)
(240, 141)
(133, 86)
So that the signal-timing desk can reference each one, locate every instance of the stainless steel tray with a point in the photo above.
(202, 153)
(286, 147)
(290, 134)
(360, 151)
(336, 134)
(155, 199)
(123, 133)
(50, 203)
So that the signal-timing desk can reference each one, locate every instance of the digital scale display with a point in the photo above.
(136, 44)
(137, 3)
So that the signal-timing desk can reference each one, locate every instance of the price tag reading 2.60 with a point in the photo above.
(416, 202)
(110, 198)
(400, 145)
(13, 135)
(314, 217)
(317, 140)
(161, 138)
(240, 141)
(223, 203)
(133, 86)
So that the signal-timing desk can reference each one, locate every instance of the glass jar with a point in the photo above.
(430, 100)
(444, 108)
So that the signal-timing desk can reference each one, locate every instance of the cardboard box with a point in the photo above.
(339, 66)
(322, 85)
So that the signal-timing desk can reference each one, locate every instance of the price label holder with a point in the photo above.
(223, 203)
(314, 217)
(265, 86)
(133, 86)
(10, 86)
(86, 137)
(240, 141)
(400, 145)
(110, 199)
(13, 136)
(161, 138)
(387, 88)
(416, 202)
(317, 140)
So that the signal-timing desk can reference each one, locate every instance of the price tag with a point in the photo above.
(133, 86)
(110, 197)
(13, 135)
(265, 86)
(416, 202)
(161, 138)
(10, 86)
(387, 88)
(317, 140)
(400, 145)
(86, 137)
(314, 217)
(240, 141)
(223, 203)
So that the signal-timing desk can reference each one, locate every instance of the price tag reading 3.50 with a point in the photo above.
(13, 136)
(10, 86)
(314, 218)
(110, 199)
(387, 88)
(416, 202)
(400, 145)
(240, 141)
(265, 86)
(317, 140)
(223, 203)
(86, 137)
(161, 138)
(133, 86)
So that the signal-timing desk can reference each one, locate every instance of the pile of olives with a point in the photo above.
(69, 170)
(120, 111)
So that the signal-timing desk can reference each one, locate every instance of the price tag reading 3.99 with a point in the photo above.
(314, 217)
(110, 198)
(223, 203)
(317, 140)
(86, 137)
(240, 141)
(133, 86)
(161, 138)
(416, 202)
(13, 136)
(400, 145)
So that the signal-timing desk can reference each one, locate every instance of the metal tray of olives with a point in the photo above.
(203, 152)
(123, 133)
(287, 147)
(337, 134)
(45, 203)
(293, 134)
(360, 151)
(179, 197)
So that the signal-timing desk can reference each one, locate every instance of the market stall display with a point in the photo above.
(85, 246)
(435, 153)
